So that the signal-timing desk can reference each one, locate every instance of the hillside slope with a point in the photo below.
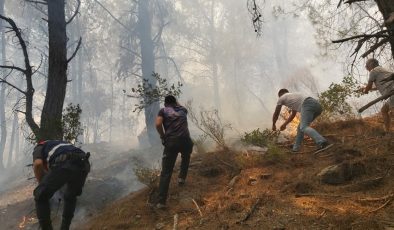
(248, 190)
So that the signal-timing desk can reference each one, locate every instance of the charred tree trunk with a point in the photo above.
(386, 7)
(51, 116)
(3, 134)
(148, 65)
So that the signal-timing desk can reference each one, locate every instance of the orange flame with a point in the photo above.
(23, 223)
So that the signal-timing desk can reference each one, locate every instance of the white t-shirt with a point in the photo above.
(292, 100)
(376, 76)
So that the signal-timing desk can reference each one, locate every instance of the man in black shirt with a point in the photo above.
(58, 163)
(171, 124)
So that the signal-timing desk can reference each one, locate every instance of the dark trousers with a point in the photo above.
(71, 173)
(172, 147)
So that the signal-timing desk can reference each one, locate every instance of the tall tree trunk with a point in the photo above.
(111, 109)
(3, 129)
(213, 54)
(14, 134)
(386, 7)
(148, 64)
(57, 72)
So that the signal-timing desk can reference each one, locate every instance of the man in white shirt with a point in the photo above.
(382, 80)
(309, 109)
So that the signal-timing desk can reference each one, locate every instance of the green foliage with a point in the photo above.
(274, 154)
(334, 100)
(71, 124)
(258, 138)
(148, 94)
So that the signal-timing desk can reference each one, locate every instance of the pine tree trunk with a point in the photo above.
(215, 76)
(57, 73)
(3, 129)
(148, 65)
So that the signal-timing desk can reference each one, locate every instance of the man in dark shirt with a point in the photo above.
(58, 163)
(171, 124)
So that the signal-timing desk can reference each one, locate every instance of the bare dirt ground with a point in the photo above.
(247, 190)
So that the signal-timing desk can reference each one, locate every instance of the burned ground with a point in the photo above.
(241, 190)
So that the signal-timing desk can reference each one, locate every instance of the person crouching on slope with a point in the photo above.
(309, 108)
(57, 163)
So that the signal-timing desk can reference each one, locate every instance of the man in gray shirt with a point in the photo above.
(309, 109)
(382, 80)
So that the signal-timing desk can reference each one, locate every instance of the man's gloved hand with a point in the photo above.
(162, 140)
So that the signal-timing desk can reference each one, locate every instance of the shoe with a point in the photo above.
(295, 150)
(181, 181)
(160, 206)
(323, 146)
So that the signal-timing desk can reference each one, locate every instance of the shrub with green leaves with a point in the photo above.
(258, 138)
(71, 124)
(148, 94)
(334, 100)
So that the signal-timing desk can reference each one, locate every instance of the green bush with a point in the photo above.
(334, 100)
(71, 124)
(258, 138)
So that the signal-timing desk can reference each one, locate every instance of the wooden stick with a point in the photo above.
(362, 109)
(225, 163)
(198, 208)
(176, 216)
(376, 199)
(384, 205)
(320, 194)
(250, 212)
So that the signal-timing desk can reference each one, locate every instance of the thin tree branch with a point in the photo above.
(377, 35)
(12, 85)
(76, 50)
(109, 12)
(75, 13)
(37, 2)
(13, 68)
(131, 51)
(374, 47)
(353, 1)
